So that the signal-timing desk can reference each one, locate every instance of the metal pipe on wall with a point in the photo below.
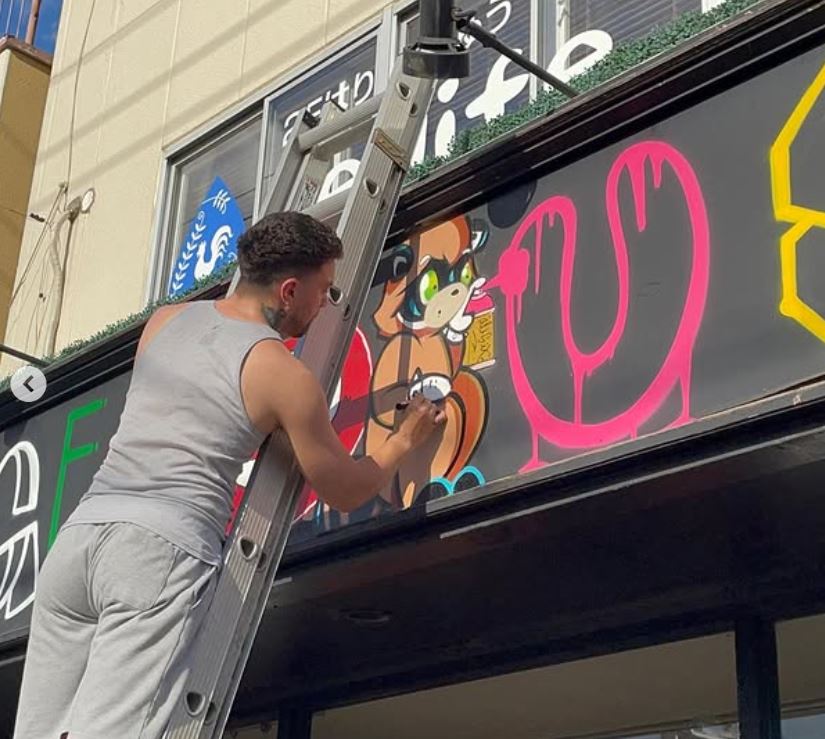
(34, 15)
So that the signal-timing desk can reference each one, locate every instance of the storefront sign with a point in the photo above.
(664, 278)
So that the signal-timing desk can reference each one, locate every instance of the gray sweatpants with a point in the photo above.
(115, 613)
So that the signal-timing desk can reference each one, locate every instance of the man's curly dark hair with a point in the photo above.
(285, 243)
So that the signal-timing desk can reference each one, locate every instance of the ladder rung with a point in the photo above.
(343, 129)
(325, 209)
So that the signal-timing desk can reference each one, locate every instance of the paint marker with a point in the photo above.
(403, 406)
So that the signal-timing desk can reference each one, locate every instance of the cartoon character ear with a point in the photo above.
(480, 233)
(394, 265)
(511, 206)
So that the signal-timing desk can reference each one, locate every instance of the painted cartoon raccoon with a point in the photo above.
(431, 295)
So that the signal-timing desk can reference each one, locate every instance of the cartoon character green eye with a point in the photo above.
(467, 275)
(428, 287)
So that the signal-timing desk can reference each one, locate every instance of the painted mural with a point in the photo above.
(664, 278)
(806, 216)
(435, 322)
(427, 309)
(643, 166)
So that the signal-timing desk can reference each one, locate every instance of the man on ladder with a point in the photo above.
(129, 582)
(124, 589)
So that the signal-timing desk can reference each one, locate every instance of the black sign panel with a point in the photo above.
(46, 464)
(657, 281)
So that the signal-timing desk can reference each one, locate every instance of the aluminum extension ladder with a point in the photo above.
(390, 124)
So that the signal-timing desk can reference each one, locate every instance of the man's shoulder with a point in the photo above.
(269, 357)
(164, 313)
(159, 318)
(272, 349)
(170, 309)
(273, 380)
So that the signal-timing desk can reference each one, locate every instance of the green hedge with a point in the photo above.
(623, 57)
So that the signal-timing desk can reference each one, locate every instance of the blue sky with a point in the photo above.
(47, 25)
(14, 18)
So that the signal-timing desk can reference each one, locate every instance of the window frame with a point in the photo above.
(384, 27)
(401, 15)
(162, 254)
(560, 18)
(375, 29)
(562, 24)
(546, 17)
(216, 129)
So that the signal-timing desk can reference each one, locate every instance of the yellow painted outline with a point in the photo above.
(803, 219)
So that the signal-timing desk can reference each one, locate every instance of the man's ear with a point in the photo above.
(286, 291)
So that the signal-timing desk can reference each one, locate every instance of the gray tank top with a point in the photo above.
(184, 434)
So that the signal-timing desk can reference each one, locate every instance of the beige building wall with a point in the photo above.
(24, 81)
(129, 80)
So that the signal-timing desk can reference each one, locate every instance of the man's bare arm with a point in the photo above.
(299, 407)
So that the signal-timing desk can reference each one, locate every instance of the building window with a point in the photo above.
(214, 188)
(495, 86)
(348, 78)
(679, 690)
(587, 30)
(408, 28)
(800, 646)
(804, 727)
(210, 203)
(623, 20)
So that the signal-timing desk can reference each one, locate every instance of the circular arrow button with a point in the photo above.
(28, 384)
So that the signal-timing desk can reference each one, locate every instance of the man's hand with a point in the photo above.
(291, 398)
(421, 418)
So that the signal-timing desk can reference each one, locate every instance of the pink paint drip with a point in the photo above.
(513, 277)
